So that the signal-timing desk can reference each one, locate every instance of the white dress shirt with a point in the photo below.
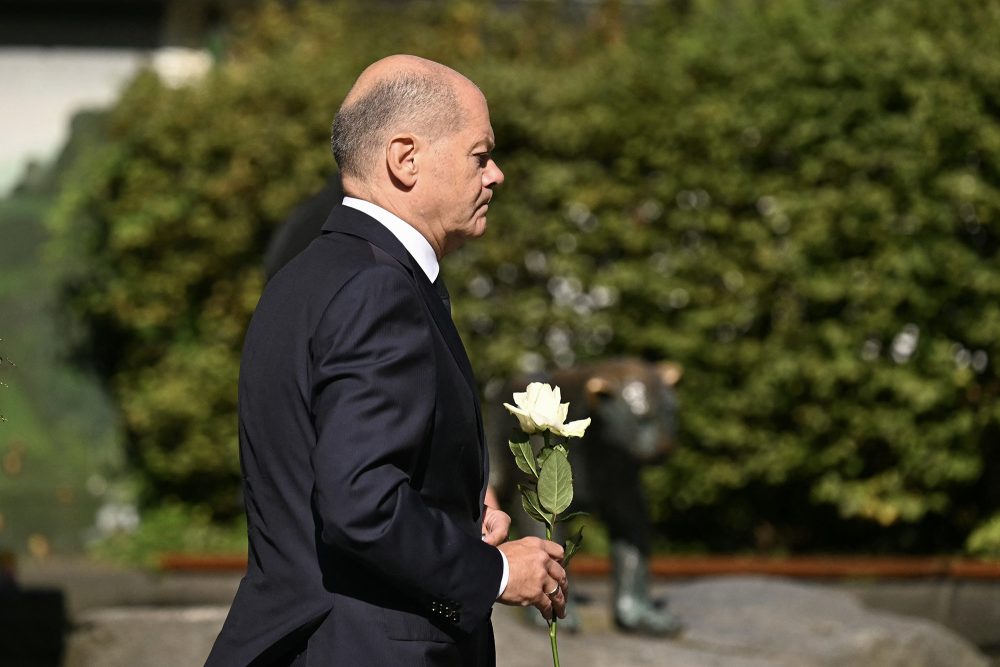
(421, 251)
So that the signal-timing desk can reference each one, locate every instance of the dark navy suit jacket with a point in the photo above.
(364, 465)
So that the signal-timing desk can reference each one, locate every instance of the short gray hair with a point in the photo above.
(417, 101)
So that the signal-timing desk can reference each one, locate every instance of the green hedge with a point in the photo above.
(797, 200)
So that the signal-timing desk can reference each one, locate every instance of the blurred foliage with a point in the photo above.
(58, 452)
(985, 540)
(4, 362)
(797, 200)
(172, 527)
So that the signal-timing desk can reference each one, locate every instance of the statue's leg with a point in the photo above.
(634, 609)
(625, 514)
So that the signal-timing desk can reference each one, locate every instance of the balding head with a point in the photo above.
(396, 94)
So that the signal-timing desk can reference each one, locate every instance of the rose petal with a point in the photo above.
(561, 412)
(524, 419)
(575, 429)
(521, 399)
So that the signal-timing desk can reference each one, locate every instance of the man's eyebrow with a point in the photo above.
(485, 141)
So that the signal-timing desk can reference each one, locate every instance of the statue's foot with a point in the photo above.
(569, 624)
(644, 618)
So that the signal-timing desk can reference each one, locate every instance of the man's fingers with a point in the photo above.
(560, 607)
(535, 572)
(553, 550)
(496, 526)
(544, 606)
(495, 537)
(549, 604)
(559, 604)
(558, 573)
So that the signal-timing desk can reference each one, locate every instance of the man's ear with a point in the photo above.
(401, 159)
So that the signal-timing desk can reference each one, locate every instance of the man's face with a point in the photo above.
(463, 174)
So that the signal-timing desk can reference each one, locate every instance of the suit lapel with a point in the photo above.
(442, 318)
(347, 220)
(447, 327)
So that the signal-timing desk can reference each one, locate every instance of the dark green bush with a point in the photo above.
(798, 200)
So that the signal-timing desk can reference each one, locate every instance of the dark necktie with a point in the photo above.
(442, 291)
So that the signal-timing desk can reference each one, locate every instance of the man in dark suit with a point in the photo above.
(361, 437)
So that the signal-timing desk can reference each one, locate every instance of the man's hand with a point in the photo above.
(536, 576)
(496, 526)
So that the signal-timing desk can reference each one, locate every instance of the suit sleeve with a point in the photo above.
(373, 400)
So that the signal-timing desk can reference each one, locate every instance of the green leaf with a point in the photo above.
(572, 546)
(547, 451)
(544, 455)
(555, 483)
(529, 501)
(524, 457)
(563, 518)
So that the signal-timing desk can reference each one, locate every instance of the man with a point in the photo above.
(361, 436)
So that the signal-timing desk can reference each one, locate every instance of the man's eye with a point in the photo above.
(484, 159)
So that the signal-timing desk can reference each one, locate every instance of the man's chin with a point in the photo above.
(474, 230)
(477, 228)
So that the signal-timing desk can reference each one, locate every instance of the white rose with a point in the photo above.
(539, 409)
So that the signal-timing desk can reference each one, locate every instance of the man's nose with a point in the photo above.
(492, 176)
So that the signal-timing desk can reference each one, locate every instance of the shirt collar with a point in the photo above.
(414, 242)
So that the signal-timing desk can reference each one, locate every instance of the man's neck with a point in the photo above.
(392, 202)
(416, 244)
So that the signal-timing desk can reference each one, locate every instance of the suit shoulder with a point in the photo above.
(325, 259)
(325, 266)
(376, 287)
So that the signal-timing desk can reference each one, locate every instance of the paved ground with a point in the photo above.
(114, 608)
(187, 610)
(599, 645)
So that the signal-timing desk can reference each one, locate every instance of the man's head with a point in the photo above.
(414, 137)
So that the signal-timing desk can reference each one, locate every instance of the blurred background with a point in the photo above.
(797, 201)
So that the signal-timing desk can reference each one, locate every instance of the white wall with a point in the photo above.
(41, 88)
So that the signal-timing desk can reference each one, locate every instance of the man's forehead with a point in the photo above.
(478, 114)
(480, 135)
(487, 141)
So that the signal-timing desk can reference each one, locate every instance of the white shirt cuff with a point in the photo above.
(506, 575)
